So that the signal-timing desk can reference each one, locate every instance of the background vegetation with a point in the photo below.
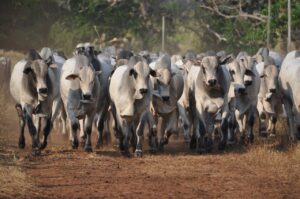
(190, 24)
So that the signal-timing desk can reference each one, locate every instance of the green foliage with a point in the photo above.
(61, 24)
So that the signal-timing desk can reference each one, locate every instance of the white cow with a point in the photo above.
(130, 93)
(208, 84)
(290, 88)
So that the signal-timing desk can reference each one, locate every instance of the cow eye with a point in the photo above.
(203, 69)
(232, 72)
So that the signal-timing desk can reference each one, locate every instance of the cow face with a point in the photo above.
(241, 72)
(210, 67)
(37, 71)
(87, 77)
(270, 78)
(163, 79)
(141, 73)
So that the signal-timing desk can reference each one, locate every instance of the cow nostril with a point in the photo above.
(241, 90)
(43, 90)
(273, 90)
(165, 98)
(212, 82)
(87, 97)
(143, 90)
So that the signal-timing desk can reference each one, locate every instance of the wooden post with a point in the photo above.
(269, 24)
(163, 35)
(289, 27)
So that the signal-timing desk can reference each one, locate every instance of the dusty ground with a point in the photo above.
(268, 169)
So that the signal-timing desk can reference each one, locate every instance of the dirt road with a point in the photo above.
(268, 169)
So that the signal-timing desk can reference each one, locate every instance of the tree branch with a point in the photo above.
(240, 13)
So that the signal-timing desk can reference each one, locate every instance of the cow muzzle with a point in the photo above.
(86, 98)
(211, 82)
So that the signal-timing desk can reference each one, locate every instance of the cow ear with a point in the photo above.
(27, 70)
(72, 77)
(133, 72)
(249, 73)
(153, 73)
(226, 59)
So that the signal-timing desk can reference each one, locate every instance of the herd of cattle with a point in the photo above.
(212, 96)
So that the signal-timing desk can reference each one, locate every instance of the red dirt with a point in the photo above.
(61, 172)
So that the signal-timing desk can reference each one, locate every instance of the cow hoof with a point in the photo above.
(231, 142)
(263, 134)
(201, 150)
(187, 139)
(153, 151)
(75, 144)
(88, 149)
(193, 143)
(43, 145)
(138, 153)
(161, 148)
(21, 144)
(221, 146)
(99, 145)
(36, 152)
(125, 153)
(251, 138)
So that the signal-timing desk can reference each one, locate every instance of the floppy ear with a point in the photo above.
(73, 77)
(249, 73)
(226, 59)
(133, 72)
(153, 73)
(262, 75)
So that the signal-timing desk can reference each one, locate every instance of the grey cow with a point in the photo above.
(33, 85)
(168, 87)
(79, 90)
(243, 96)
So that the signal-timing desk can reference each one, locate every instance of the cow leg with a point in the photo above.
(100, 126)
(37, 123)
(223, 131)
(125, 139)
(153, 143)
(290, 119)
(231, 121)
(162, 140)
(241, 120)
(88, 132)
(185, 123)
(262, 124)
(272, 125)
(208, 142)
(74, 124)
(140, 134)
(249, 125)
(46, 129)
(33, 133)
(170, 125)
(82, 134)
(22, 126)
(63, 118)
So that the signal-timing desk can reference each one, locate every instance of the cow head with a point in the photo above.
(87, 77)
(80, 49)
(163, 77)
(210, 67)
(37, 71)
(241, 72)
(140, 74)
(270, 79)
